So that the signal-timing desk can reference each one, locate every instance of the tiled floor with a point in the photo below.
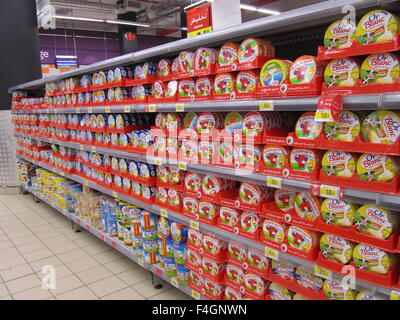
(33, 235)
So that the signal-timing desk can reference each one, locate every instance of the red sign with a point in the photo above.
(198, 18)
(332, 104)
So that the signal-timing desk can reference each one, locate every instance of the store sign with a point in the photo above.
(199, 20)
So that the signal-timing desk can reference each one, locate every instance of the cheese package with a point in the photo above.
(254, 283)
(190, 205)
(211, 185)
(193, 182)
(229, 216)
(309, 280)
(208, 210)
(237, 251)
(173, 121)
(206, 151)
(368, 295)
(164, 68)
(171, 89)
(228, 54)
(204, 58)
(375, 221)
(157, 89)
(305, 69)
(235, 274)
(337, 212)
(275, 156)
(340, 34)
(285, 200)
(233, 122)
(204, 86)
(375, 167)
(336, 248)
(372, 259)
(298, 296)
(251, 193)
(195, 237)
(380, 68)
(307, 206)
(377, 26)
(246, 81)
(304, 160)
(273, 230)
(339, 164)
(334, 290)
(185, 61)
(257, 259)
(275, 72)
(232, 294)
(301, 239)
(283, 270)
(381, 126)
(249, 222)
(224, 83)
(307, 127)
(342, 72)
(212, 244)
(186, 88)
(254, 123)
(248, 154)
(207, 121)
(226, 152)
(190, 120)
(250, 49)
(277, 292)
(189, 149)
(347, 128)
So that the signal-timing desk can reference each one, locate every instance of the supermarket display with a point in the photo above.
(286, 232)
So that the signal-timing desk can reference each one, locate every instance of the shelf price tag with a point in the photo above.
(196, 295)
(194, 224)
(77, 110)
(328, 108)
(81, 147)
(127, 109)
(114, 194)
(150, 108)
(266, 105)
(164, 213)
(271, 253)
(93, 149)
(86, 183)
(140, 262)
(107, 109)
(180, 107)
(274, 182)
(174, 282)
(158, 161)
(47, 110)
(182, 165)
(90, 110)
(322, 272)
(330, 192)
(395, 295)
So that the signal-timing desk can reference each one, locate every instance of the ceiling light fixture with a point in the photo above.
(261, 10)
(196, 4)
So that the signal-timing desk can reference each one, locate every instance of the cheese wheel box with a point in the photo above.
(375, 167)
(307, 206)
(377, 26)
(164, 68)
(190, 120)
(229, 216)
(334, 290)
(381, 68)
(228, 54)
(372, 259)
(254, 283)
(339, 164)
(304, 160)
(224, 83)
(274, 231)
(190, 205)
(338, 212)
(251, 193)
(246, 81)
(305, 69)
(336, 248)
(232, 294)
(237, 251)
(277, 292)
(340, 34)
(252, 48)
(283, 270)
(368, 295)
(275, 156)
(307, 127)
(285, 200)
(342, 72)
(301, 239)
(193, 182)
(249, 222)
(204, 58)
(233, 122)
(204, 86)
(309, 280)
(275, 72)
(375, 221)
(186, 88)
(347, 128)
(381, 126)
(185, 61)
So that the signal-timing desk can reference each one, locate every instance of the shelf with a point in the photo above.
(385, 200)
(310, 16)
(113, 242)
(223, 235)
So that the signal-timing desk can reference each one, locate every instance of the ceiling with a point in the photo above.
(162, 13)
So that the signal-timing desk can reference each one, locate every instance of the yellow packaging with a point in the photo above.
(347, 128)
(368, 295)
(381, 126)
(380, 68)
(298, 296)
(377, 167)
(338, 212)
(340, 34)
(339, 164)
(375, 221)
(274, 72)
(377, 26)
(372, 259)
(334, 290)
(336, 248)
(342, 72)
(278, 292)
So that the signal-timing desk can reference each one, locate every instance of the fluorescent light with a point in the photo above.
(196, 4)
(127, 23)
(58, 16)
(261, 10)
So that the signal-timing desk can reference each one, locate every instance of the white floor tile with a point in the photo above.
(73, 255)
(36, 293)
(32, 246)
(120, 265)
(16, 272)
(147, 290)
(94, 274)
(82, 264)
(9, 253)
(3, 290)
(134, 276)
(171, 294)
(11, 262)
(23, 283)
(38, 255)
(107, 286)
(124, 294)
(83, 293)
(67, 284)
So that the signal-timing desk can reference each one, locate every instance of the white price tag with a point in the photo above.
(271, 253)
(90, 110)
(158, 161)
(196, 295)
(81, 147)
(274, 182)
(77, 110)
(107, 109)
(93, 149)
(180, 107)
(151, 108)
(322, 272)
(164, 213)
(140, 262)
(330, 192)
(266, 105)
(182, 165)
(127, 109)
(114, 194)
(174, 282)
(194, 224)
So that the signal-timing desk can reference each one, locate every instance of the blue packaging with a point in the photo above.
(137, 242)
(148, 192)
(163, 226)
(133, 168)
(112, 219)
(150, 245)
(182, 274)
(180, 252)
(169, 267)
(104, 208)
(148, 221)
(179, 232)
(168, 246)
(149, 235)
(106, 137)
(146, 171)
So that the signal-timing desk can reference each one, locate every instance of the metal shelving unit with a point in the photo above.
(223, 235)
(385, 200)
(113, 242)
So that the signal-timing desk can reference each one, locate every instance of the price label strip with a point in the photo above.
(90, 110)
(194, 224)
(77, 110)
(114, 194)
(266, 105)
(331, 192)
(151, 108)
(322, 272)
(174, 282)
(271, 253)
(274, 182)
(180, 107)
(81, 147)
(395, 295)
(127, 109)
(107, 109)
(164, 213)
(182, 165)
(196, 295)
(93, 149)
(323, 115)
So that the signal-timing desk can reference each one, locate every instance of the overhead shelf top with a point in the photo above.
(309, 16)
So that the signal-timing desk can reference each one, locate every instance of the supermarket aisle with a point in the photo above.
(33, 235)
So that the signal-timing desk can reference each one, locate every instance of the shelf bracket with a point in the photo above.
(155, 280)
